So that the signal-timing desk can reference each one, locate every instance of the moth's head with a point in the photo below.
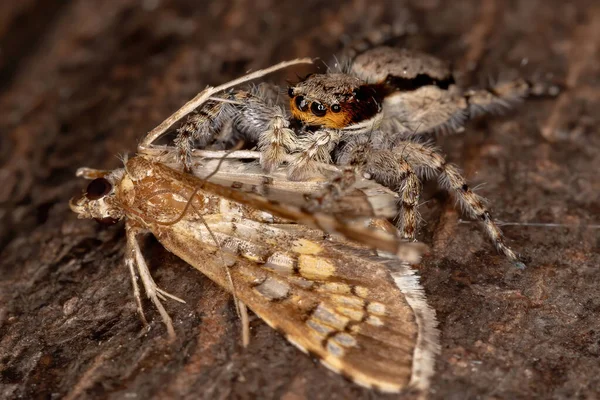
(98, 201)
(335, 101)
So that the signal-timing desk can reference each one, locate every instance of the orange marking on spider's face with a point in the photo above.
(331, 119)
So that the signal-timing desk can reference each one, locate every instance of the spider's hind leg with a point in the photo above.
(428, 161)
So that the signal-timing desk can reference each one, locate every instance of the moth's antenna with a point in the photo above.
(240, 310)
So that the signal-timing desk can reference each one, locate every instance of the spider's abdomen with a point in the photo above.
(402, 69)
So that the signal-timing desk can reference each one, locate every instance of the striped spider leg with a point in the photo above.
(377, 115)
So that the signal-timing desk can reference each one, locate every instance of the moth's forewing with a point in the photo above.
(364, 198)
(185, 185)
(334, 301)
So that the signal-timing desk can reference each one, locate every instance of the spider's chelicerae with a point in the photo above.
(372, 114)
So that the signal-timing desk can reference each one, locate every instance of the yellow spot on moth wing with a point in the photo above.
(315, 268)
(361, 291)
(334, 287)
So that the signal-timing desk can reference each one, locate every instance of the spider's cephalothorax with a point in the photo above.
(336, 101)
(373, 114)
(404, 92)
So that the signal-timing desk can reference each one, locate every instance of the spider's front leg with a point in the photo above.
(256, 119)
(313, 149)
(266, 123)
(428, 161)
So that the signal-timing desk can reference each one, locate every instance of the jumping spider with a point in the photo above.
(375, 114)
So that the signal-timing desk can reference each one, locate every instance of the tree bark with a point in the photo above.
(82, 81)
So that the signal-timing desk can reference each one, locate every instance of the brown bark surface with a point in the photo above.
(82, 81)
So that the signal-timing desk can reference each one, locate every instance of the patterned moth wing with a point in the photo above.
(336, 192)
(363, 316)
(336, 302)
(325, 221)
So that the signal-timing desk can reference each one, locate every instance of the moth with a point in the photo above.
(361, 312)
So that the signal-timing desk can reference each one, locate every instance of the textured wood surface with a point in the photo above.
(82, 81)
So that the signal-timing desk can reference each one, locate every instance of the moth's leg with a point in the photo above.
(313, 148)
(245, 323)
(135, 257)
(427, 160)
(131, 264)
(267, 124)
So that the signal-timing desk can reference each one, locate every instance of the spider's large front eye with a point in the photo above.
(301, 103)
(97, 189)
(318, 109)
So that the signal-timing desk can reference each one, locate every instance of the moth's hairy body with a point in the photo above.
(362, 315)
(376, 113)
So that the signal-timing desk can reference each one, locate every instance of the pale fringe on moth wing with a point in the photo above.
(428, 341)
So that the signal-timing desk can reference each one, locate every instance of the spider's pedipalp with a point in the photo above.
(313, 149)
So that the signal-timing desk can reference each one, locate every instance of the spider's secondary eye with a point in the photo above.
(318, 109)
(301, 103)
(291, 91)
(98, 188)
(336, 108)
